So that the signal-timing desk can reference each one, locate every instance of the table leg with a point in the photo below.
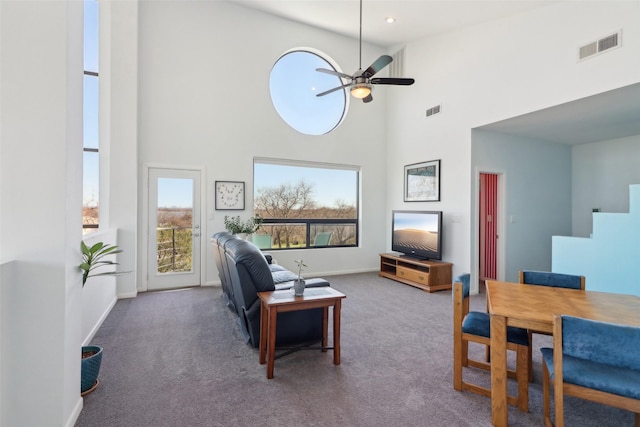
(264, 323)
(271, 346)
(325, 328)
(336, 332)
(499, 370)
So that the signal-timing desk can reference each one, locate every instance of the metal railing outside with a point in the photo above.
(174, 249)
(307, 233)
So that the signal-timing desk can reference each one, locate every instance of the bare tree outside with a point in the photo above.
(295, 201)
(284, 201)
(344, 235)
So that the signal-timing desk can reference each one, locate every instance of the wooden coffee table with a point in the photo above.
(274, 302)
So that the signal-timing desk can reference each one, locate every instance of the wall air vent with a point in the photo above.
(434, 110)
(605, 43)
(396, 68)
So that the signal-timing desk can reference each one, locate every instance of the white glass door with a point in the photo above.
(174, 228)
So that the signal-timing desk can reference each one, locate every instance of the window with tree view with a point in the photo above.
(305, 204)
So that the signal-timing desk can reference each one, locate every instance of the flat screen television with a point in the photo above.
(417, 234)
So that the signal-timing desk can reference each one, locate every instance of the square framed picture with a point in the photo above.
(229, 195)
(422, 182)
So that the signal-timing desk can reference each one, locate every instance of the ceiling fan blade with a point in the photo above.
(334, 73)
(367, 99)
(378, 65)
(392, 81)
(327, 92)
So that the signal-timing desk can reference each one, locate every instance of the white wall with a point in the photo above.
(119, 199)
(493, 72)
(602, 173)
(41, 215)
(537, 196)
(99, 292)
(204, 101)
(204, 88)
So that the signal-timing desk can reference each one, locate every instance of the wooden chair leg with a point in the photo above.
(522, 377)
(465, 353)
(637, 419)
(546, 396)
(558, 400)
(530, 350)
(459, 348)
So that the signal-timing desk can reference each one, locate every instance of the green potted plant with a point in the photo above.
(92, 258)
(90, 368)
(235, 225)
(298, 284)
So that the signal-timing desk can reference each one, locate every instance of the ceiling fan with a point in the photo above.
(360, 83)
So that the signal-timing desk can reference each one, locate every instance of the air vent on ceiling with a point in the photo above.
(434, 110)
(605, 43)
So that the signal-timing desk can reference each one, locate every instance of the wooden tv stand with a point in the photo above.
(430, 276)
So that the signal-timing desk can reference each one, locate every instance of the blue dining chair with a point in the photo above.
(475, 326)
(592, 360)
(547, 278)
(556, 280)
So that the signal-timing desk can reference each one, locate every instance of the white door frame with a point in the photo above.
(144, 253)
(501, 228)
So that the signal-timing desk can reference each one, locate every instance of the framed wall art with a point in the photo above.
(229, 195)
(422, 182)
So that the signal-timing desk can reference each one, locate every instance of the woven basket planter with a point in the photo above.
(90, 368)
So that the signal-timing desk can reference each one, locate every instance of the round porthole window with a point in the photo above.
(294, 84)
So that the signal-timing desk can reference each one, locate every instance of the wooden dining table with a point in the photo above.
(532, 307)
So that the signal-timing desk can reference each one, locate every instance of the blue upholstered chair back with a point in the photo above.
(546, 278)
(601, 342)
(466, 284)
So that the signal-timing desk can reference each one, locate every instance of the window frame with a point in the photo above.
(86, 228)
(328, 63)
(309, 223)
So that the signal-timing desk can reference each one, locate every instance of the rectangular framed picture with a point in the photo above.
(422, 182)
(229, 195)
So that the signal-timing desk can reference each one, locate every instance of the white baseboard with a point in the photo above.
(128, 295)
(101, 320)
(77, 408)
(341, 272)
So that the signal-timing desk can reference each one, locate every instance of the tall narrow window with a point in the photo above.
(91, 171)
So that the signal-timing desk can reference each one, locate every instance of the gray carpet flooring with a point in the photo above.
(177, 358)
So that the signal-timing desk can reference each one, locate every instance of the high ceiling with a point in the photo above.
(610, 115)
(415, 19)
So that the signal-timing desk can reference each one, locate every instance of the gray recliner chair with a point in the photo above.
(250, 273)
(281, 276)
(219, 241)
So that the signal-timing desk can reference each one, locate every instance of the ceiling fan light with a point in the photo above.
(361, 90)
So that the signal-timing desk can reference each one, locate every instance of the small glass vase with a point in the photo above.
(298, 288)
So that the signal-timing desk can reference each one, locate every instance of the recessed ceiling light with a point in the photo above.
(390, 19)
